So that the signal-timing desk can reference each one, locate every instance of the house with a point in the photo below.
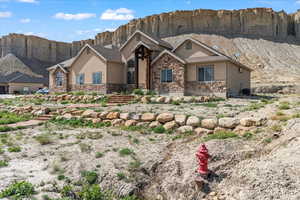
(18, 83)
(147, 62)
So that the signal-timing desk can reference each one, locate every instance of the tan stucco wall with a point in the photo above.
(115, 73)
(87, 64)
(196, 51)
(20, 87)
(236, 80)
(219, 71)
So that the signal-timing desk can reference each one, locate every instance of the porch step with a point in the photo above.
(122, 99)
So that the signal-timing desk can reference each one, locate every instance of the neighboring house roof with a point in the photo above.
(18, 77)
(213, 51)
(171, 54)
(154, 39)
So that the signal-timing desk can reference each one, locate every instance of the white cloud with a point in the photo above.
(118, 14)
(298, 2)
(5, 14)
(25, 21)
(27, 1)
(188, 2)
(78, 16)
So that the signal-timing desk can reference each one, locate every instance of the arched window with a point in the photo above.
(59, 78)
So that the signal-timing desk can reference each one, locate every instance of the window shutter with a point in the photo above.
(162, 76)
(169, 75)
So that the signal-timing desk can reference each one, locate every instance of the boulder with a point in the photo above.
(242, 129)
(193, 121)
(179, 99)
(180, 119)
(145, 99)
(252, 121)
(130, 122)
(228, 122)
(154, 124)
(219, 129)
(148, 117)
(167, 100)
(165, 117)
(203, 131)
(96, 120)
(103, 115)
(124, 116)
(67, 116)
(170, 125)
(88, 113)
(135, 116)
(142, 123)
(209, 123)
(184, 129)
(113, 115)
(117, 122)
(160, 99)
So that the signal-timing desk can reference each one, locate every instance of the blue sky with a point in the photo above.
(69, 20)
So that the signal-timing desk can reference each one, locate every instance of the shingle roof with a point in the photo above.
(18, 77)
(206, 59)
(110, 54)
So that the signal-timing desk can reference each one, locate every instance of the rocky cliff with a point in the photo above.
(253, 24)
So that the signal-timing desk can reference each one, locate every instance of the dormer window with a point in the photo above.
(188, 45)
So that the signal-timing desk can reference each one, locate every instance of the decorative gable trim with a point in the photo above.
(57, 66)
(171, 54)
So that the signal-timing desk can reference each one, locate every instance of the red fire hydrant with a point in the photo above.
(203, 156)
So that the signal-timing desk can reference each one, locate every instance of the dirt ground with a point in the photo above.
(264, 165)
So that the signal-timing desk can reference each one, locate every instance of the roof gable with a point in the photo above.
(169, 53)
(153, 39)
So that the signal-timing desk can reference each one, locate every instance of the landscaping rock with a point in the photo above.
(96, 120)
(117, 122)
(251, 121)
(203, 131)
(228, 122)
(184, 129)
(170, 125)
(180, 119)
(145, 99)
(89, 113)
(165, 117)
(113, 115)
(179, 99)
(135, 116)
(142, 124)
(67, 116)
(193, 121)
(124, 116)
(209, 123)
(154, 124)
(103, 115)
(160, 99)
(130, 122)
(148, 117)
(167, 100)
(220, 129)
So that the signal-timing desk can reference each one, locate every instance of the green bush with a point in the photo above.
(3, 163)
(284, 106)
(18, 190)
(77, 123)
(151, 93)
(44, 139)
(176, 103)
(159, 129)
(138, 92)
(121, 175)
(221, 135)
(14, 149)
(93, 192)
(10, 118)
(125, 152)
(99, 155)
(90, 177)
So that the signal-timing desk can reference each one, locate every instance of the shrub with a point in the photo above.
(159, 129)
(125, 152)
(247, 135)
(209, 105)
(79, 93)
(220, 135)
(176, 103)
(284, 106)
(121, 176)
(99, 155)
(6, 128)
(138, 92)
(151, 93)
(93, 192)
(267, 140)
(14, 149)
(10, 118)
(18, 190)
(3, 163)
(44, 139)
(91, 177)
(276, 128)
(67, 191)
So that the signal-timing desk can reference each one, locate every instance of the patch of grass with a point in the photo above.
(99, 155)
(176, 103)
(267, 140)
(3, 163)
(209, 105)
(284, 105)
(78, 123)
(220, 135)
(296, 115)
(10, 118)
(247, 135)
(44, 139)
(121, 176)
(132, 128)
(159, 129)
(125, 152)
(1, 151)
(150, 93)
(219, 116)
(61, 177)
(14, 149)
(135, 164)
(18, 191)
(276, 128)
(90, 177)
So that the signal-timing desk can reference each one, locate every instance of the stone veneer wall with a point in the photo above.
(175, 87)
(102, 88)
(64, 87)
(217, 88)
